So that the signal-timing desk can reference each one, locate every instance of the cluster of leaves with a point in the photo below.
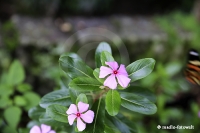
(83, 84)
(15, 97)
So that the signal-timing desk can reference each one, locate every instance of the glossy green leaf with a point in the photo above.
(105, 57)
(32, 99)
(81, 98)
(85, 84)
(64, 80)
(20, 101)
(137, 103)
(143, 92)
(45, 119)
(36, 112)
(73, 94)
(16, 73)
(123, 124)
(97, 125)
(75, 67)
(103, 46)
(12, 116)
(33, 123)
(60, 97)
(96, 75)
(140, 68)
(57, 112)
(110, 127)
(113, 102)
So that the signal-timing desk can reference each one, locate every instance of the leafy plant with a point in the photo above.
(106, 99)
(15, 97)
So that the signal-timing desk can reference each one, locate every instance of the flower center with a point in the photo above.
(115, 72)
(78, 114)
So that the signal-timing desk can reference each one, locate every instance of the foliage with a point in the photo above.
(86, 86)
(15, 97)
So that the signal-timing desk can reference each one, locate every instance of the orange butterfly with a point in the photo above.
(192, 71)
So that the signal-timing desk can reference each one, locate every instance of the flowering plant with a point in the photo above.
(91, 101)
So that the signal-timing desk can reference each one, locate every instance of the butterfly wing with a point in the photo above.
(192, 71)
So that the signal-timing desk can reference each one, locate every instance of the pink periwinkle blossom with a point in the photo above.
(114, 71)
(44, 129)
(81, 113)
(199, 114)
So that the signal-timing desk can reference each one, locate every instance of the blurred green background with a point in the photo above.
(34, 33)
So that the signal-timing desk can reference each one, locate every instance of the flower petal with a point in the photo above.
(122, 70)
(71, 118)
(72, 109)
(45, 128)
(88, 116)
(52, 131)
(111, 82)
(112, 64)
(80, 125)
(82, 107)
(123, 80)
(35, 129)
(104, 71)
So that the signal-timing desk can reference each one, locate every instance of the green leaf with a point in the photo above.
(45, 119)
(140, 68)
(6, 90)
(105, 57)
(33, 123)
(82, 98)
(85, 84)
(142, 92)
(60, 97)
(8, 129)
(12, 116)
(103, 46)
(73, 94)
(173, 68)
(123, 124)
(75, 67)
(64, 80)
(32, 99)
(36, 112)
(58, 113)
(24, 87)
(110, 127)
(113, 102)
(97, 125)
(16, 73)
(5, 102)
(137, 103)
(20, 101)
(96, 75)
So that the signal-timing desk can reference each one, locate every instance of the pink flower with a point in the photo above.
(80, 114)
(44, 129)
(115, 71)
(199, 114)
